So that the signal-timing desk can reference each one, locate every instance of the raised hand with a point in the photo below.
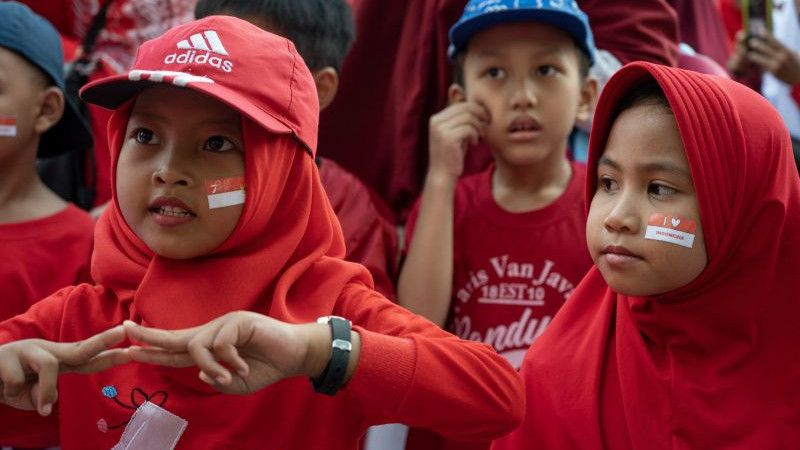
(452, 130)
(775, 58)
(29, 368)
(259, 350)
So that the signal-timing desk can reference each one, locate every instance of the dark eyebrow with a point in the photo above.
(489, 53)
(656, 166)
(149, 115)
(665, 166)
(606, 161)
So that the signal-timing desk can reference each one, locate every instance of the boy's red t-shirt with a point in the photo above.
(512, 271)
(39, 257)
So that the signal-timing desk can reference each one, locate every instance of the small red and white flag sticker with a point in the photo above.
(8, 126)
(672, 229)
(225, 192)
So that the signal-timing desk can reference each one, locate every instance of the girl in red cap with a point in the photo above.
(684, 335)
(217, 208)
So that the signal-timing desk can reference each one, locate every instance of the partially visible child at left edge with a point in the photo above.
(45, 242)
(323, 31)
(217, 208)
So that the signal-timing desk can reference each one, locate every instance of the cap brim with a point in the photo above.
(112, 92)
(72, 132)
(461, 33)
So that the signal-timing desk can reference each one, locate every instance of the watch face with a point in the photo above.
(341, 344)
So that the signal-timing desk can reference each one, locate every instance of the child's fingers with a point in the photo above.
(43, 399)
(103, 361)
(200, 349)
(46, 367)
(225, 349)
(175, 340)
(468, 132)
(77, 353)
(160, 357)
(12, 377)
(473, 109)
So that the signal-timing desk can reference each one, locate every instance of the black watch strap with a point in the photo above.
(332, 378)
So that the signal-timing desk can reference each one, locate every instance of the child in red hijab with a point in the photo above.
(684, 335)
(218, 207)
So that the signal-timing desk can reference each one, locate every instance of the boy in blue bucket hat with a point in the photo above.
(493, 256)
(45, 242)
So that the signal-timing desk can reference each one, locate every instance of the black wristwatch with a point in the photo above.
(332, 378)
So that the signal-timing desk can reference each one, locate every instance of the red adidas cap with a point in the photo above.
(253, 71)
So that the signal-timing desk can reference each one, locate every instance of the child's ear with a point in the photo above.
(456, 94)
(587, 100)
(327, 81)
(51, 108)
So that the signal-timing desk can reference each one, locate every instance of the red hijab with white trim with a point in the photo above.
(283, 257)
(721, 365)
(283, 254)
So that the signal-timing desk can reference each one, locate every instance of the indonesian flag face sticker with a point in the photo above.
(672, 229)
(8, 126)
(225, 192)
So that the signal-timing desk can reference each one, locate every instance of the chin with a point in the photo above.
(173, 251)
(524, 155)
(632, 288)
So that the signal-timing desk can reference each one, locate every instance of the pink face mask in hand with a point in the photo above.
(151, 427)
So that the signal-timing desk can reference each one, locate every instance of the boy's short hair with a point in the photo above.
(482, 14)
(322, 30)
(33, 38)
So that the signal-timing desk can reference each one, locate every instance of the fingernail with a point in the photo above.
(47, 409)
(221, 379)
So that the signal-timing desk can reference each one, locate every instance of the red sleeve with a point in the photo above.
(644, 30)
(42, 320)
(796, 93)
(427, 377)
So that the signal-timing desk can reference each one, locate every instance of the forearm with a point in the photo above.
(425, 285)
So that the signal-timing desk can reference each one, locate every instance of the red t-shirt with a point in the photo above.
(39, 257)
(512, 272)
(369, 233)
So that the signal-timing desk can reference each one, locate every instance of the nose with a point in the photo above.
(172, 169)
(623, 216)
(523, 96)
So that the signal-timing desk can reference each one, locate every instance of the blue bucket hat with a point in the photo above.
(34, 38)
(481, 14)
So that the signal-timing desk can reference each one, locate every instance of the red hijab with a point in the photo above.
(282, 257)
(714, 364)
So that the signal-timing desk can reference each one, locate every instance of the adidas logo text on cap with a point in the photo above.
(200, 50)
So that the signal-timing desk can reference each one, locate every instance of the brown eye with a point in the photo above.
(607, 184)
(660, 190)
(218, 144)
(546, 70)
(144, 136)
